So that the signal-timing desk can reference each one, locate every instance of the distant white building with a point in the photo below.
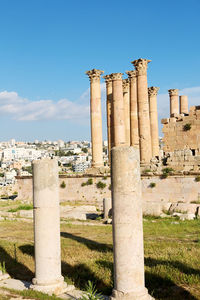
(13, 153)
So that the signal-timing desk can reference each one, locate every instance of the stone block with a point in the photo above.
(187, 217)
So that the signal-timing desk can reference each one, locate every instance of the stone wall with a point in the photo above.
(176, 138)
(172, 189)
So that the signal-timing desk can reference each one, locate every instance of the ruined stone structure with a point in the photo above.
(95, 117)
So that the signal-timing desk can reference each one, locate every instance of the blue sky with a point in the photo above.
(47, 45)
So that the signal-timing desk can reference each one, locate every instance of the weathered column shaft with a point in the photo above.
(153, 91)
(174, 103)
(95, 117)
(47, 227)
(183, 104)
(143, 110)
(118, 110)
(126, 96)
(109, 114)
(127, 225)
(134, 136)
(107, 206)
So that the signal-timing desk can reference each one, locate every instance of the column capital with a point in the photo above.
(108, 79)
(131, 74)
(94, 74)
(125, 85)
(116, 76)
(173, 92)
(141, 65)
(153, 91)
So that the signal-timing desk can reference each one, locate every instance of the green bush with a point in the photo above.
(197, 178)
(101, 185)
(187, 127)
(63, 185)
(88, 182)
(91, 293)
(146, 171)
(109, 187)
(21, 207)
(152, 185)
(3, 267)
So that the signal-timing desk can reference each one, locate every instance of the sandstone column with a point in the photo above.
(174, 103)
(183, 105)
(127, 225)
(108, 81)
(118, 109)
(95, 117)
(134, 137)
(126, 95)
(153, 91)
(48, 277)
(107, 206)
(143, 110)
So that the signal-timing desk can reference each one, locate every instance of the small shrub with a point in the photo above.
(109, 187)
(3, 267)
(195, 202)
(21, 207)
(91, 292)
(152, 185)
(101, 185)
(146, 171)
(105, 177)
(166, 172)
(88, 182)
(197, 179)
(63, 185)
(187, 127)
(15, 193)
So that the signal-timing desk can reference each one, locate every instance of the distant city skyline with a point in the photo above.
(46, 47)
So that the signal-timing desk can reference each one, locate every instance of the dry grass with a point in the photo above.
(172, 255)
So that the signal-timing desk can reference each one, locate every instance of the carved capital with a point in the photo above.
(173, 92)
(94, 74)
(141, 66)
(108, 79)
(125, 85)
(131, 74)
(153, 91)
(116, 76)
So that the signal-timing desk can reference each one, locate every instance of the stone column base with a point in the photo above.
(52, 288)
(118, 295)
(4, 276)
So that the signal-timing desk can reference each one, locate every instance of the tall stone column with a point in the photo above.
(95, 117)
(134, 137)
(153, 91)
(126, 95)
(183, 105)
(118, 110)
(127, 226)
(174, 103)
(48, 277)
(110, 137)
(143, 110)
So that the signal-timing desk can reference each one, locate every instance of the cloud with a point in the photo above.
(22, 109)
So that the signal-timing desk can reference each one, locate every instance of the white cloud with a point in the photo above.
(22, 109)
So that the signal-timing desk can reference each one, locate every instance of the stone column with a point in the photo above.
(143, 110)
(48, 277)
(183, 105)
(134, 137)
(126, 95)
(108, 81)
(118, 109)
(107, 207)
(153, 91)
(127, 225)
(174, 103)
(95, 117)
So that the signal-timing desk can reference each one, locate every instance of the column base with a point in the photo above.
(143, 295)
(4, 276)
(57, 288)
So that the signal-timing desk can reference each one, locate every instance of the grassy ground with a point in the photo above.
(172, 255)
